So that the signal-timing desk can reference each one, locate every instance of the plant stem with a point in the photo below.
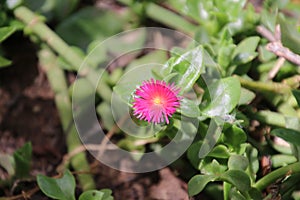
(277, 174)
(169, 18)
(226, 190)
(279, 88)
(58, 83)
(36, 25)
(39, 28)
(166, 17)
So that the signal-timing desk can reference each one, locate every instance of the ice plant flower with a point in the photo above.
(155, 101)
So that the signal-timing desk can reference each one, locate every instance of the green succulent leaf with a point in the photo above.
(289, 135)
(219, 151)
(62, 188)
(189, 108)
(290, 37)
(234, 136)
(189, 66)
(5, 32)
(4, 62)
(104, 194)
(198, 183)
(237, 178)
(238, 162)
(22, 159)
(221, 97)
(296, 94)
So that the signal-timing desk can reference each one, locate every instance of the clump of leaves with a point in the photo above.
(63, 188)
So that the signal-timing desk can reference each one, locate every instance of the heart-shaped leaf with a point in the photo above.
(62, 188)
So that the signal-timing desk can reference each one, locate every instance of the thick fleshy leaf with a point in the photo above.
(246, 96)
(236, 195)
(290, 37)
(234, 136)
(192, 154)
(219, 151)
(189, 108)
(104, 194)
(213, 134)
(289, 135)
(225, 52)
(5, 32)
(198, 183)
(189, 67)
(248, 45)
(6, 162)
(62, 188)
(243, 58)
(296, 94)
(22, 159)
(252, 155)
(222, 97)
(4, 62)
(212, 167)
(237, 178)
(238, 162)
(281, 160)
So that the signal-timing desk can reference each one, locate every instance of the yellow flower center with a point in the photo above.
(157, 101)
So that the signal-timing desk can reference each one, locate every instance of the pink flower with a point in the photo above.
(156, 101)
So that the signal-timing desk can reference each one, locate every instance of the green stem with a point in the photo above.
(39, 28)
(36, 25)
(289, 185)
(169, 18)
(226, 190)
(166, 17)
(58, 83)
(279, 88)
(277, 174)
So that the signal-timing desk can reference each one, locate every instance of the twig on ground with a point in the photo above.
(110, 133)
(24, 195)
(79, 149)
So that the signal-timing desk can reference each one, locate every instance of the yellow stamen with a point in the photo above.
(157, 101)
